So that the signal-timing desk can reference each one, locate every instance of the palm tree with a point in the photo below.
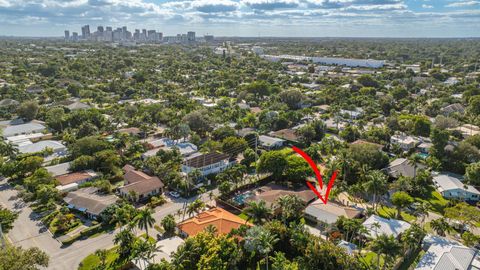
(422, 211)
(195, 207)
(386, 245)
(414, 160)
(290, 207)
(145, 219)
(125, 240)
(413, 237)
(440, 226)
(257, 211)
(211, 229)
(259, 239)
(102, 256)
(376, 185)
(344, 162)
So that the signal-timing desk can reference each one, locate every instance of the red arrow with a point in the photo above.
(318, 175)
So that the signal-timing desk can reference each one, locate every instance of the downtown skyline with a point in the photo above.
(282, 18)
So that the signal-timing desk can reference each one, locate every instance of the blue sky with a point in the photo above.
(295, 18)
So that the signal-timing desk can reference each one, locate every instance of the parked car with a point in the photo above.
(174, 194)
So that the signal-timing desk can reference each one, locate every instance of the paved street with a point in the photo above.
(29, 232)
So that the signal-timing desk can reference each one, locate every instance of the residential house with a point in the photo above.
(404, 141)
(352, 114)
(359, 141)
(376, 226)
(139, 183)
(185, 148)
(59, 169)
(453, 108)
(271, 192)
(221, 219)
(322, 213)
(57, 147)
(89, 201)
(452, 188)
(403, 167)
(442, 253)
(77, 105)
(286, 134)
(468, 130)
(71, 181)
(8, 102)
(207, 163)
(18, 127)
(165, 248)
(270, 143)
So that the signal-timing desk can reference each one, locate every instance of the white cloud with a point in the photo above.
(427, 6)
(464, 4)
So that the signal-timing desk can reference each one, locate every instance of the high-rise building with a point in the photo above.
(86, 31)
(191, 36)
(67, 35)
(74, 36)
(100, 29)
(109, 28)
(209, 38)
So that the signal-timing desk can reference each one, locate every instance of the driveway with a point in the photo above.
(29, 232)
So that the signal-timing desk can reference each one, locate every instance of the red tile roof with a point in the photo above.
(223, 220)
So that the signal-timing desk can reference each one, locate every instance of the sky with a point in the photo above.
(251, 18)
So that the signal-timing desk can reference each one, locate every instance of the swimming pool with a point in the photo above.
(241, 198)
(423, 155)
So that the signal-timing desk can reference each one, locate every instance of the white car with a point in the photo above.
(174, 194)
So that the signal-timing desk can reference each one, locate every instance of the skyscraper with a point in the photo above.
(86, 31)
(67, 35)
(191, 36)
(100, 29)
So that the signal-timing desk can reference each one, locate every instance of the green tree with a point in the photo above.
(291, 207)
(464, 213)
(258, 212)
(260, 241)
(376, 185)
(7, 218)
(440, 226)
(145, 219)
(28, 110)
(125, 240)
(387, 246)
(474, 105)
(274, 162)
(169, 224)
(17, 258)
(401, 200)
(472, 174)
(234, 146)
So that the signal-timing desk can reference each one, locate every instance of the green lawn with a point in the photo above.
(243, 216)
(92, 261)
(371, 259)
(388, 212)
(436, 201)
(412, 262)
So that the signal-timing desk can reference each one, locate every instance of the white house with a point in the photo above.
(452, 188)
(57, 147)
(270, 142)
(376, 226)
(10, 130)
(442, 253)
(404, 141)
(207, 163)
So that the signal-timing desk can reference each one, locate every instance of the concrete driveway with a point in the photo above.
(29, 232)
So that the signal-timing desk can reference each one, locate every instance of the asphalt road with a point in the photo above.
(29, 232)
